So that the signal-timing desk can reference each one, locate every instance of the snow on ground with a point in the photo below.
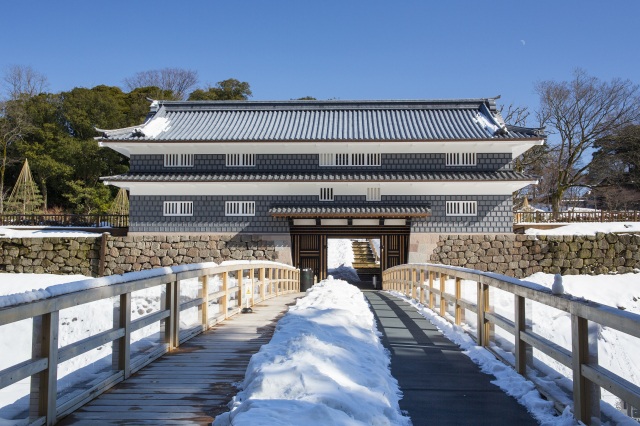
(587, 228)
(339, 253)
(324, 365)
(28, 232)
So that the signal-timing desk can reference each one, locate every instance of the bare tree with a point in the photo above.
(22, 80)
(579, 112)
(176, 80)
(515, 115)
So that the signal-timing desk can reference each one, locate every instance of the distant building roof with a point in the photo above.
(322, 177)
(311, 121)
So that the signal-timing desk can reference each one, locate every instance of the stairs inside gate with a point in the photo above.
(365, 262)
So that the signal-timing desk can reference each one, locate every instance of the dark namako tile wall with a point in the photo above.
(154, 163)
(146, 213)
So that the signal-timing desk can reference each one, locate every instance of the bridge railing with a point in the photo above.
(222, 291)
(453, 292)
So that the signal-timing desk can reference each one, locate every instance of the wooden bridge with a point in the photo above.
(187, 376)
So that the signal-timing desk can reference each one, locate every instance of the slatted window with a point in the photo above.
(178, 208)
(373, 194)
(462, 208)
(178, 160)
(241, 160)
(326, 194)
(461, 159)
(350, 159)
(240, 208)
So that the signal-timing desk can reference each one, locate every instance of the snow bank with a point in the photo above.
(16, 232)
(324, 365)
(588, 228)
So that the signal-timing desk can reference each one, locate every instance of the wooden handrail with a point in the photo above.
(43, 365)
(588, 375)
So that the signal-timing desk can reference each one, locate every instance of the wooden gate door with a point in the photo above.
(310, 251)
(394, 250)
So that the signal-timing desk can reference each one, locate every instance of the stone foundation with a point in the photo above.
(108, 255)
(523, 255)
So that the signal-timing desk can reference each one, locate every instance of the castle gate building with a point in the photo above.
(299, 172)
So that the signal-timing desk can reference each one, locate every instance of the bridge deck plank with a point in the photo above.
(195, 382)
(440, 384)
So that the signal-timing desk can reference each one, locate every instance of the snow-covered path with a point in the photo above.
(325, 365)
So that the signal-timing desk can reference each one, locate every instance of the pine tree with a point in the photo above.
(25, 197)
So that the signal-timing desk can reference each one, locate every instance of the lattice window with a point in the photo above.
(352, 159)
(240, 208)
(373, 194)
(461, 159)
(178, 208)
(326, 194)
(241, 160)
(462, 208)
(178, 160)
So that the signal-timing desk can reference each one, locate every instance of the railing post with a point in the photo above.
(263, 284)
(421, 278)
(270, 290)
(169, 323)
(121, 348)
(277, 282)
(414, 279)
(252, 274)
(44, 384)
(239, 275)
(225, 298)
(520, 326)
(458, 312)
(586, 395)
(203, 310)
(484, 327)
(432, 297)
(443, 301)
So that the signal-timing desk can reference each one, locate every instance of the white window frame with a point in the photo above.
(373, 194)
(177, 208)
(462, 208)
(326, 194)
(178, 160)
(240, 160)
(353, 159)
(454, 159)
(239, 208)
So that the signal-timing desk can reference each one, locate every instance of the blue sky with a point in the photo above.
(329, 49)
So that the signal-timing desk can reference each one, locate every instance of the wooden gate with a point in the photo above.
(309, 244)
(393, 249)
(310, 251)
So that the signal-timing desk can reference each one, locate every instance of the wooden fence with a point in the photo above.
(74, 220)
(240, 285)
(429, 283)
(573, 216)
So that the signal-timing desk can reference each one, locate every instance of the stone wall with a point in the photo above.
(522, 255)
(50, 255)
(134, 253)
(116, 255)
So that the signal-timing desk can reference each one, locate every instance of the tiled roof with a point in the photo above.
(328, 210)
(310, 121)
(322, 177)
